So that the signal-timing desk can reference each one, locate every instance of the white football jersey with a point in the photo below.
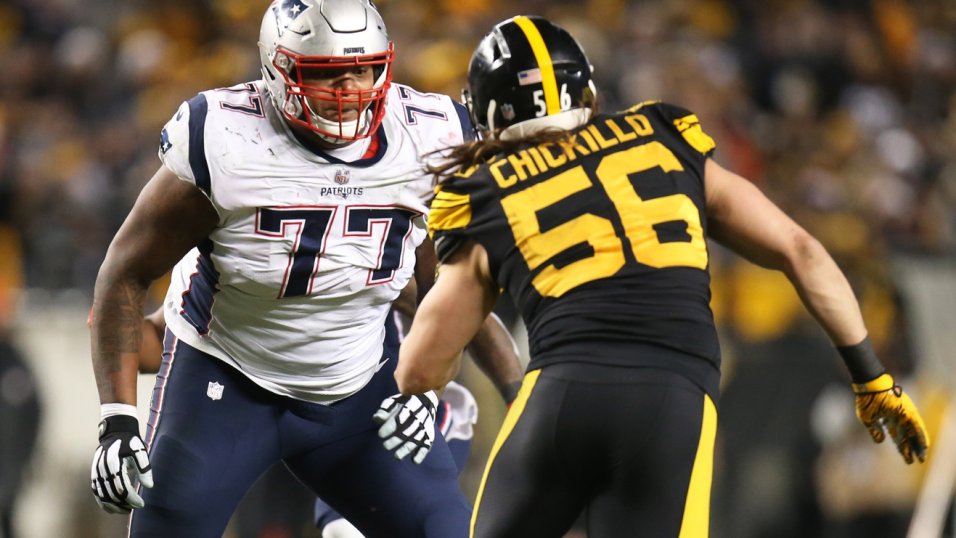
(294, 285)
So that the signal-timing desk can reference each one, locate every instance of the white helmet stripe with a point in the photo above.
(492, 106)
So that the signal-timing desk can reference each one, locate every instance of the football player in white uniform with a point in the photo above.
(290, 210)
(456, 416)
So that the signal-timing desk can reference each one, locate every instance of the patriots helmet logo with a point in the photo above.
(287, 11)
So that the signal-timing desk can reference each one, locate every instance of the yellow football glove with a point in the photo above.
(882, 407)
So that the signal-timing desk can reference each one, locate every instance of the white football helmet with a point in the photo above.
(325, 34)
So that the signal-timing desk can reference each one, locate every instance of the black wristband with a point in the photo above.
(862, 362)
(510, 391)
(117, 424)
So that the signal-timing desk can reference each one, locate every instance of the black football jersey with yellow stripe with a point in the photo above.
(600, 241)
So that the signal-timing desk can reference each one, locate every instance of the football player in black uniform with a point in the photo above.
(597, 225)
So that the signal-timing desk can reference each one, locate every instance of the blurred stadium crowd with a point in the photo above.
(844, 111)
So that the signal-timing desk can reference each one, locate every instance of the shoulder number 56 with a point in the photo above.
(639, 218)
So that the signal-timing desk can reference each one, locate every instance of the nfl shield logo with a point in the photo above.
(342, 176)
(508, 111)
(214, 391)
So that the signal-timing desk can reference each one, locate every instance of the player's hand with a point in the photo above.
(118, 461)
(408, 424)
(882, 407)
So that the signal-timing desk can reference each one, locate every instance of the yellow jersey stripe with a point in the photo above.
(543, 57)
(696, 520)
(511, 420)
(689, 127)
(449, 211)
(641, 105)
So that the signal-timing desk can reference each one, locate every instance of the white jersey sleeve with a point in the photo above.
(174, 144)
(435, 123)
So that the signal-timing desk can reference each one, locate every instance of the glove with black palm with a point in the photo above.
(408, 424)
(882, 407)
(119, 463)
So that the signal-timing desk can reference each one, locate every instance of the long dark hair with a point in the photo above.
(476, 152)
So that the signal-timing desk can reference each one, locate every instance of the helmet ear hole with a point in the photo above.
(496, 52)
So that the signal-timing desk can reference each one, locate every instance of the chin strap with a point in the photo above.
(293, 107)
(567, 120)
(355, 128)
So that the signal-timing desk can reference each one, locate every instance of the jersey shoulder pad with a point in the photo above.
(682, 120)
(214, 124)
(178, 137)
(435, 119)
(450, 209)
(449, 217)
(641, 105)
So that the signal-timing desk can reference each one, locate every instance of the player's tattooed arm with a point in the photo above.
(118, 308)
(169, 218)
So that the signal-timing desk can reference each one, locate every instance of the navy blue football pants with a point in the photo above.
(206, 453)
(460, 450)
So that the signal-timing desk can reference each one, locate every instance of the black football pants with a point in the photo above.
(631, 448)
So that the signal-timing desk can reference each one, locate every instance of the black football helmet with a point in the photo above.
(528, 68)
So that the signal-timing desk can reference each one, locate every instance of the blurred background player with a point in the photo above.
(20, 414)
(289, 209)
(597, 226)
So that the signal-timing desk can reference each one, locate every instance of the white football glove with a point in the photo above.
(461, 415)
(120, 458)
(408, 424)
(340, 528)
